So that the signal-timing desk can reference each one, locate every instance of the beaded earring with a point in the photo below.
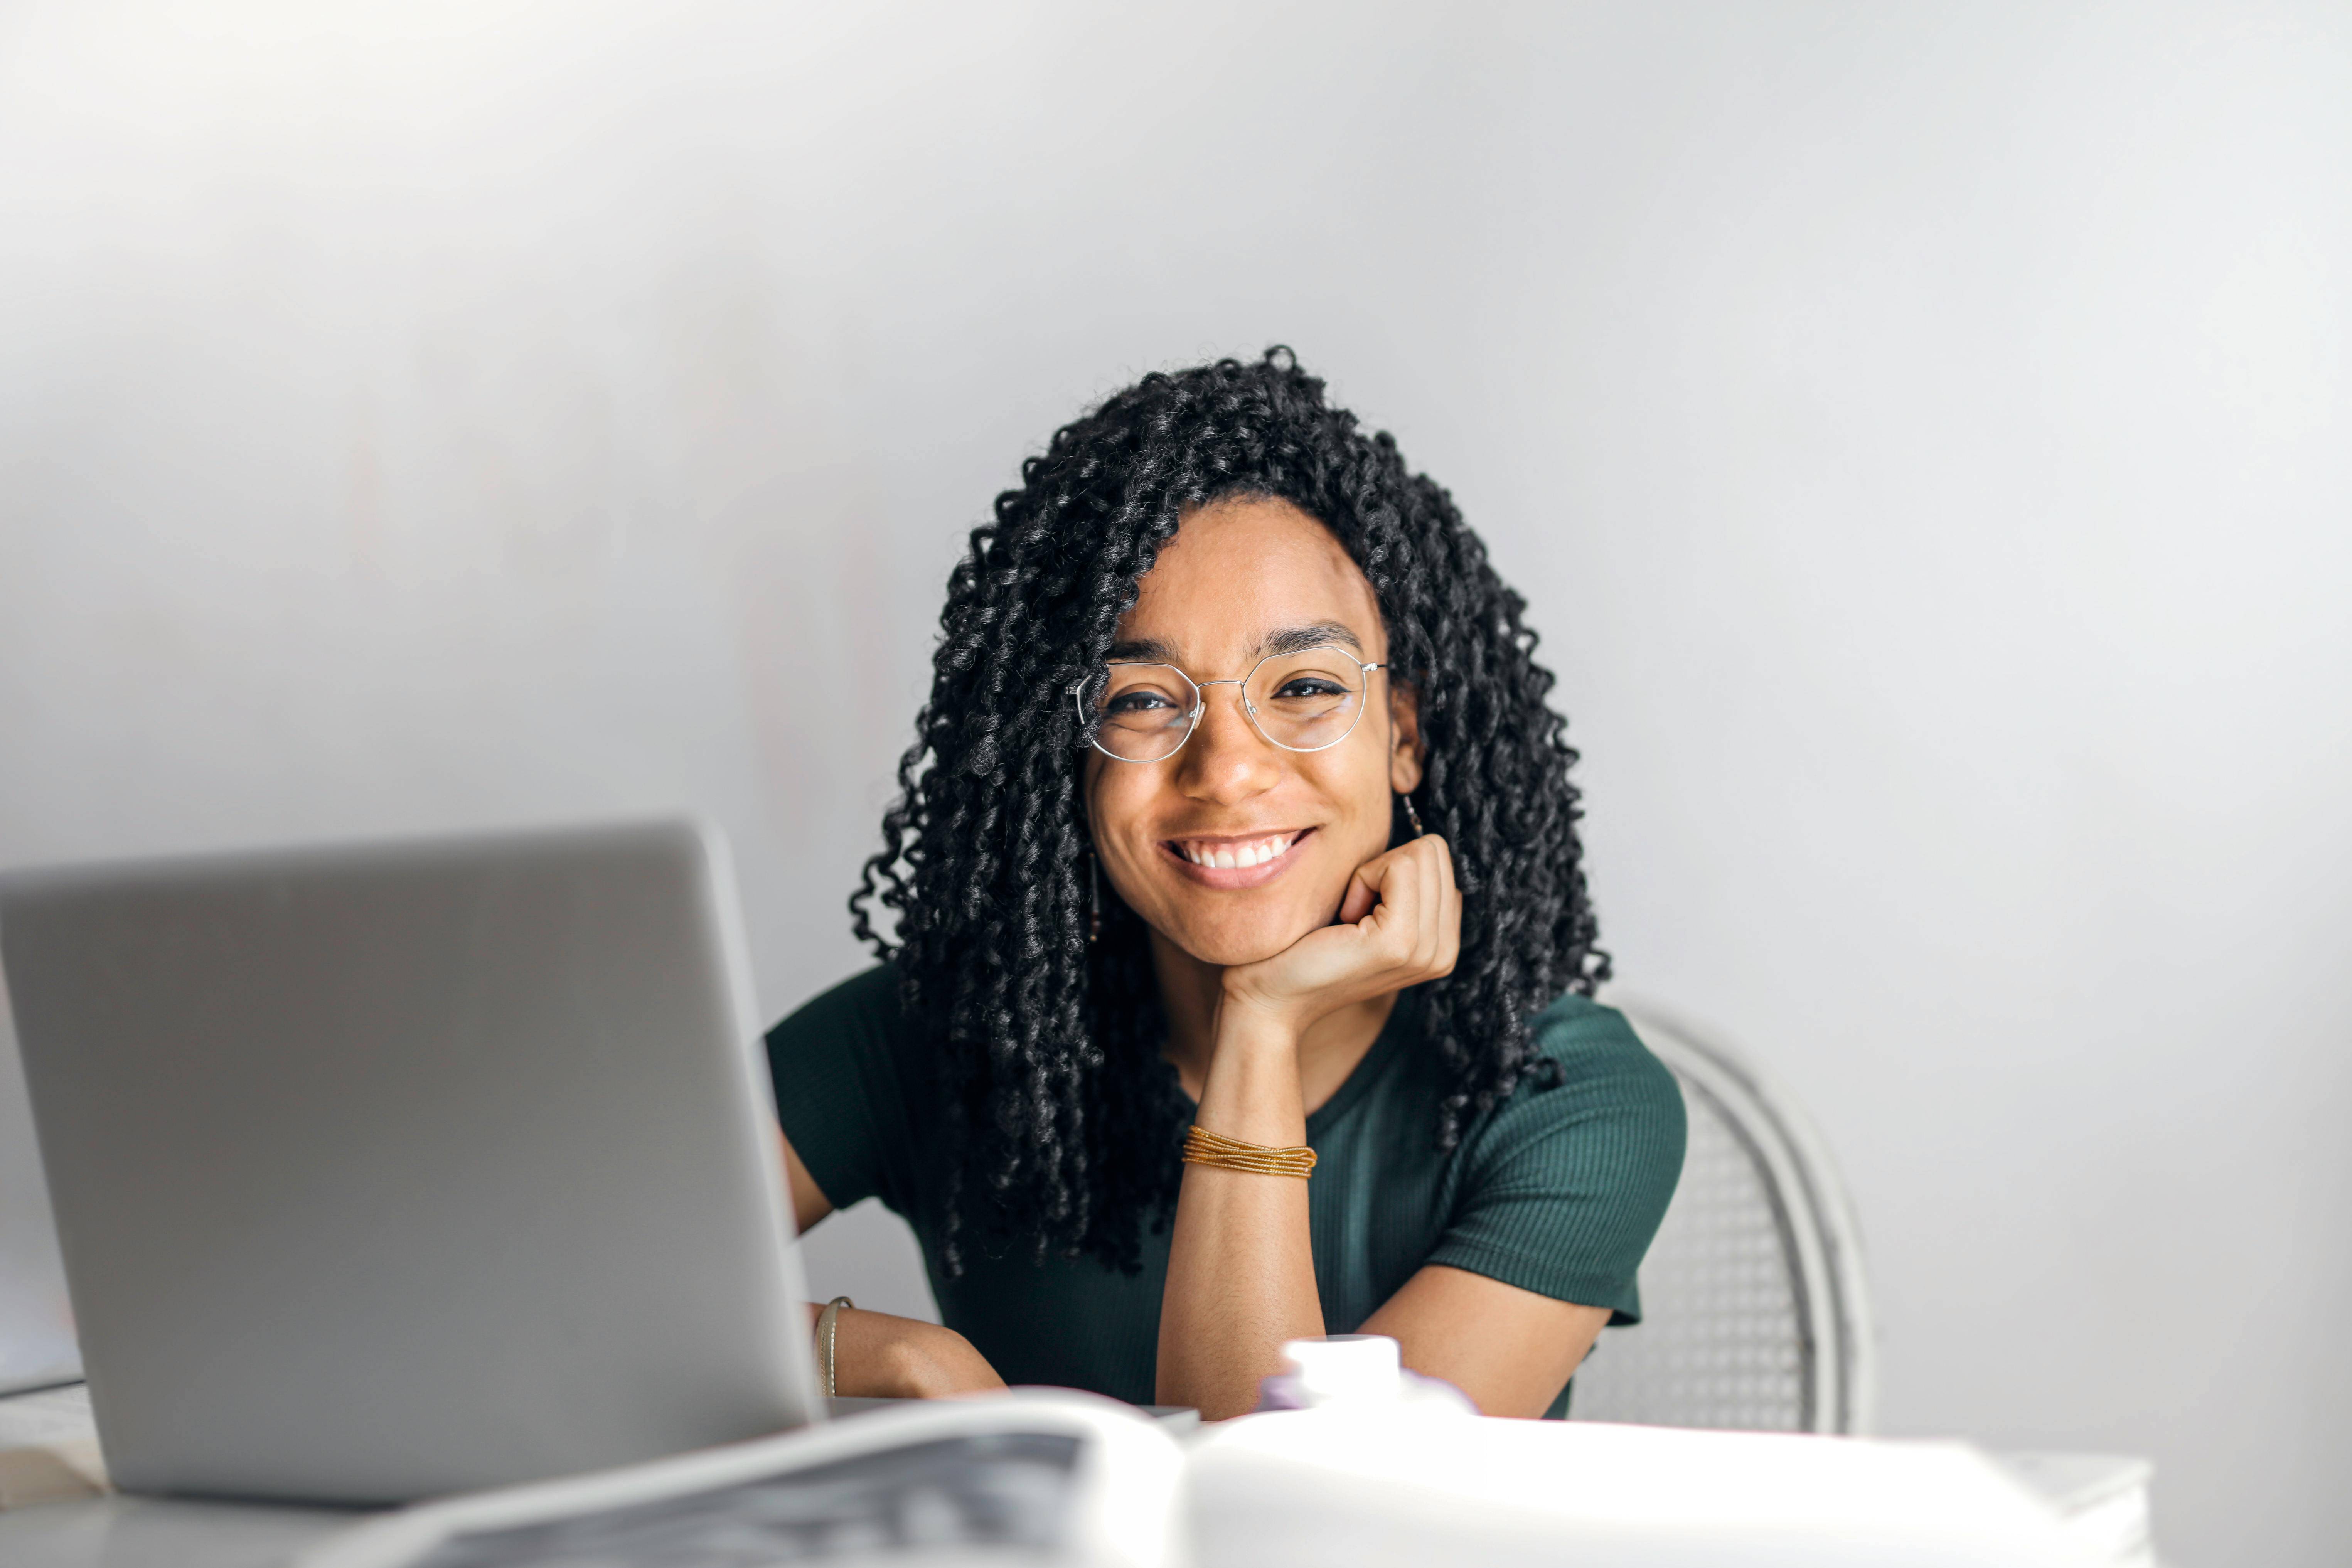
(1412, 815)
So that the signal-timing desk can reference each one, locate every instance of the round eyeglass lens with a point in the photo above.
(1140, 712)
(1307, 699)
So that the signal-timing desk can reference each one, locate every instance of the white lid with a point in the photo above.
(1347, 1367)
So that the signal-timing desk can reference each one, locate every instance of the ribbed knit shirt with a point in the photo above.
(1557, 1190)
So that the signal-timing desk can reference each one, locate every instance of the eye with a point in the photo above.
(1299, 686)
(1141, 700)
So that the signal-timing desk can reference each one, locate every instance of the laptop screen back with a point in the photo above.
(36, 1341)
(388, 1171)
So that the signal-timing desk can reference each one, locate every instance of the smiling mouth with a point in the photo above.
(1236, 853)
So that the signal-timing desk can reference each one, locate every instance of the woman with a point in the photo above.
(1237, 825)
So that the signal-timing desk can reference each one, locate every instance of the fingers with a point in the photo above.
(1400, 923)
(1394, 880)
(1438, 928)
(1449, 921)
(1417, 921)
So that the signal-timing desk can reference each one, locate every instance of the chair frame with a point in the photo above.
(1818, 1229)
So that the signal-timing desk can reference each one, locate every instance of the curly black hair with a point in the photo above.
(1063, 1112)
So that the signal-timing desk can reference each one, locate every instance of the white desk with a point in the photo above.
(154, 1532)
(127, 1531)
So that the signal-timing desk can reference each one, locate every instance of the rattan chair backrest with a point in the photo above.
(1755, 1311)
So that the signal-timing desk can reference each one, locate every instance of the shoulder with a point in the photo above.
(1592, 1042)
(1613, 1106)
(849, 1093)
(865, 1004)
(1564, 1183)
(852, 1038)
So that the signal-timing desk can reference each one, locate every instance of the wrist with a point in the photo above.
(934, 1362)
(907, 1370)
(1256, 1025)
(880, 1355)
(1252, 1089)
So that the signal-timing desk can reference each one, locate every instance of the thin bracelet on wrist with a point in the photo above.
(1202, 1147)
(828, 1323)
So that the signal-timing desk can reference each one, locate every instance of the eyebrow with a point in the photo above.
(1289, 639)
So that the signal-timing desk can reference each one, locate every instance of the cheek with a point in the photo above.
(1119, 801)
(1357, 788)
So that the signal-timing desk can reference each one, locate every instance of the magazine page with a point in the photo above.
(1032, 1476)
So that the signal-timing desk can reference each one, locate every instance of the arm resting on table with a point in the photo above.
(874, 1354)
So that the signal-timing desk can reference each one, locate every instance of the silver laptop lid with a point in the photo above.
(389, 1172)
(36, 1341)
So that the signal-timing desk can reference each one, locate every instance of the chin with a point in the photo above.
(1227, 956)
(1230, 945)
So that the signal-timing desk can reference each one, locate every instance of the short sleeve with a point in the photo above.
(1563, 1187)
(835, 1067)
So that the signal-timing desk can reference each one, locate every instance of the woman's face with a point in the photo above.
(1238, 576)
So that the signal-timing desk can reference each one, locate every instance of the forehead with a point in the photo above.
(1240, 573)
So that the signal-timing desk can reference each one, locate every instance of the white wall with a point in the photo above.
(1922, 435)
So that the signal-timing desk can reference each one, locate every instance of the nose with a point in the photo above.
(1226, 761)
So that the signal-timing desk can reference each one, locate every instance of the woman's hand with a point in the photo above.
(877, 1356)
(1399, 924)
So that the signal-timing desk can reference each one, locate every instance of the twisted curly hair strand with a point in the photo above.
(1066, 1121)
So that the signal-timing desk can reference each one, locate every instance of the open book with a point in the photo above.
(1041, 1475)
(1029, 1476)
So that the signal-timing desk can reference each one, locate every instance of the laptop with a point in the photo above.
(36, 1338)
(387, 1171)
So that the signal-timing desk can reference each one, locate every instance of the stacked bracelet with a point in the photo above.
(1202, 1147)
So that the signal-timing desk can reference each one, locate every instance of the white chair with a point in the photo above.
(1755, 1309)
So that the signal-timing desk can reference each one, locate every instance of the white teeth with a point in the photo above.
(1236, 857)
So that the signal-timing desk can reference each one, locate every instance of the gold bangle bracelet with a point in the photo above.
(1202, 1147)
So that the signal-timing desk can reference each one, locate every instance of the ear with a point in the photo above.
(1404, 738)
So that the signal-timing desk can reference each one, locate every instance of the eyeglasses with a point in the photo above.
(1303, 701)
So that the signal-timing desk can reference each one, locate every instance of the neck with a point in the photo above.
(1192, 992)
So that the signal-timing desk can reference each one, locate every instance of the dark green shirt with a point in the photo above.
(1557, 1190)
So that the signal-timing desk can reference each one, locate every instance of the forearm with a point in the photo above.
(1241, 1268)
(876, 1356)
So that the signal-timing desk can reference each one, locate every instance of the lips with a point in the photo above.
(1235, 860)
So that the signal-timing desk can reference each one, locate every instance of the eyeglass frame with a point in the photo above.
(1200, 708)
